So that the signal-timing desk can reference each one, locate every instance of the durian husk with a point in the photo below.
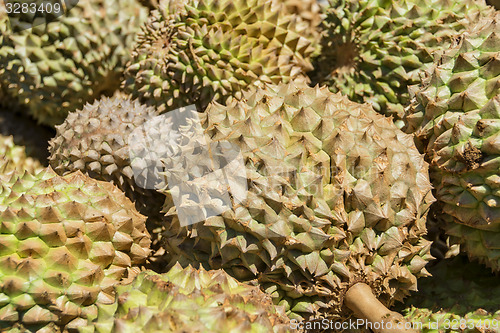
(454, 116)
(328, 204)
(309, 15)
(373, 50)
(214, 49)
(95, 141)
(188, 300)
(54, 68)
(64, 243)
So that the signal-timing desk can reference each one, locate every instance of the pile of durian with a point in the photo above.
(369, 136)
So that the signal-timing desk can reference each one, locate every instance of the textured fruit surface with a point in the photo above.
(55, 68)
(309, 16)
(458, 293)
(373, 49)
(64, 243)
(455, 116)
(95, 140)
(336, 195)
(188, 300)
(13, 158)
(213, 49)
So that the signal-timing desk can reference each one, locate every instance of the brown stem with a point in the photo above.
(361, 300)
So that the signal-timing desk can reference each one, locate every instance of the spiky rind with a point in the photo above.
(188, 300)
(455, 116)
(309, 16)
(372, 50)
(337, 195)
(65, 242)
(55, 68)
(95, 140)
(214, 48)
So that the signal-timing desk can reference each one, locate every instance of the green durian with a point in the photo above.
(188, 300)
(64, 243)
(95, 140)
(336, 195)
(372, 50)
(51, 69)
(455, 117)
(212, 49)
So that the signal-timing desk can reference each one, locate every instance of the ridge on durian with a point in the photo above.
(372, 50)
(57, 67)
(337, 195)
(455, 118)
(64, 243)
(212, 49)
(188, 300)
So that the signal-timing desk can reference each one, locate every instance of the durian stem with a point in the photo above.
(361, 300)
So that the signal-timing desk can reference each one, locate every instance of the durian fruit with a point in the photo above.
(337, 198)
(460, 294)
(455, 117)
(212, 49)
(372, 50)
(57, 67)
(64, 243)
(188, 300)
(13, 158)
(95, 140)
